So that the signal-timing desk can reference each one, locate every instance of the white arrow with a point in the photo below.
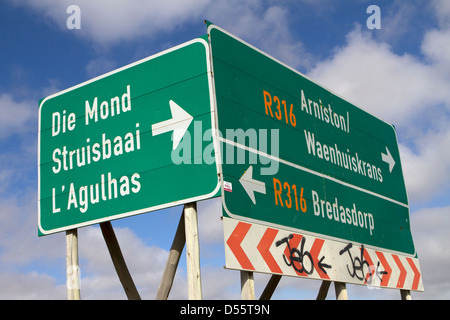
(388, 159)
(251, 185)
(179, 124)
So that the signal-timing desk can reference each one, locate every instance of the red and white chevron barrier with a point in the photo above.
(259, 248)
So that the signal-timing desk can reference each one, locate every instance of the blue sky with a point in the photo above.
(400, 73)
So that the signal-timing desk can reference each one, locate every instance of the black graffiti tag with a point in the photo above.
(301, 256)
(358, 264)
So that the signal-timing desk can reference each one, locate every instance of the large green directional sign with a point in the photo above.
(299, 157)
(129, 141)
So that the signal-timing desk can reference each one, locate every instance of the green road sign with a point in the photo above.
(123, 143)
(299, 157)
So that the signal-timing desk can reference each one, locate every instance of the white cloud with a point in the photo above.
(393, 87)
(107, 22)
(436, 46)
(16, 116)
(396, 20)
(264, 27)
(427, 172)
(442, 11)
(30, 286)
(110, 22)
(431, 238)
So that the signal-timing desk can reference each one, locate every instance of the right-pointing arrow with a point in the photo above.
(388, 159)
(179, 123)
(402, 276)
(251, 185)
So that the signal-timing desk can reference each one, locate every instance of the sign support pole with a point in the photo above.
(323, 291)
(341, 290)
(192, 251)
(118, 261)
(73, 269)
(172, 261)
(270, 287)
(247, 285)
(405, 294)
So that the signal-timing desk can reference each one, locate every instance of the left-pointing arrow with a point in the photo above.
(251, 185)
(234, 243)
(179, 123)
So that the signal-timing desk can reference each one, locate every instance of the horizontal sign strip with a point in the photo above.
(264, 249)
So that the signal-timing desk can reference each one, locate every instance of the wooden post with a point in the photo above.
(323, 291)
(172, 261)
(119, 261)
(270, 287)
(405, 294)
(247, 285)
(192, 251)
(341, 291)
(73, 268)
